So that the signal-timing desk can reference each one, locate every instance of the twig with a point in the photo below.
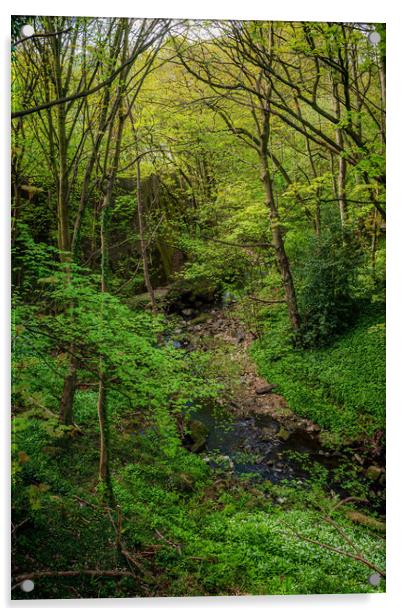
(175, 545)
(40, 35)
(236, 245)
(118, 530)
(93, 505)
(349, 499)
(15, 526)
(343, 534)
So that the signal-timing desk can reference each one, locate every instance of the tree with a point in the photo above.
(249, 89)
(62, 73)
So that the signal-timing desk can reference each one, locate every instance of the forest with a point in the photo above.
(198, 231)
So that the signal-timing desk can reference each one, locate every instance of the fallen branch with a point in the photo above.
(208, 560)
(131, 560)
(42, 407)
(332, 548)
(267, 301)
(33, 575)
(129, 557)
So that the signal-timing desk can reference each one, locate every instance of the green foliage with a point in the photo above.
(208, 216)
(236, 543)
(192, 532)
(219, 264)
(326, 277)
(149, 383)
(341, 387)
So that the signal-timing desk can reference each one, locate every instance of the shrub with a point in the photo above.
(326, 286)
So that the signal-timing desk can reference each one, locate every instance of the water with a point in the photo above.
(251, 447)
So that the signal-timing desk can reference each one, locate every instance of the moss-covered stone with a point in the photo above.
(283, 434)
(365, 520)
(198, 434)
(374, 472)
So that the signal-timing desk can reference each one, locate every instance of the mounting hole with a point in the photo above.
(27, 586)
(26, 31)
(375, 579)
(374, 37)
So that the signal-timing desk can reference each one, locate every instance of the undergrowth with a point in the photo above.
(340, 387)
(190, 530)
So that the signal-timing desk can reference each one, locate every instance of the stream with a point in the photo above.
(259, 446)
(252, 446)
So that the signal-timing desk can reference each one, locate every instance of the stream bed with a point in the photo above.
(250, 446)
(260, 447)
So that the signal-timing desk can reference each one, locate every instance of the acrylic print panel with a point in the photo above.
(198, 227)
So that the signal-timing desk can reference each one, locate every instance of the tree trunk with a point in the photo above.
(102, 417)
(381, 29)
(280, 252)
(105, 119)
(341, 192)
(104, 472)
(69, 387)
(103, 422)
(67, 398)
(63, 226)
(374, 243)
(16, 211)
(142, 240)
(102, 387)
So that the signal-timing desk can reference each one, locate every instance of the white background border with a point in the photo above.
(341, 10)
